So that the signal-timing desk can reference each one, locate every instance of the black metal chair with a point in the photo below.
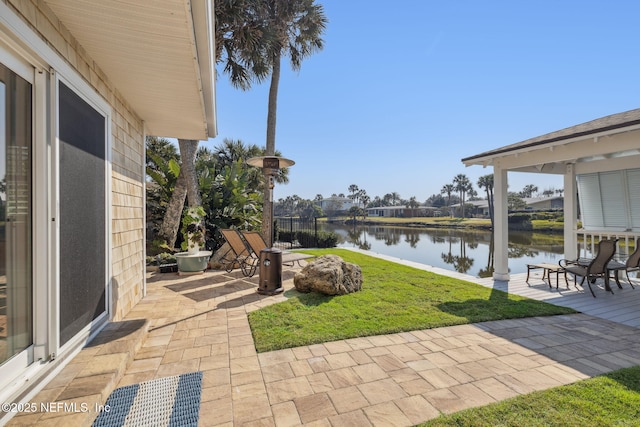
(631, 264)
(597, 267)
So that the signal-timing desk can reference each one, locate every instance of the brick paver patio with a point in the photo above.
(199, 323)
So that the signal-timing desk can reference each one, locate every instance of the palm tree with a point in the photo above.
(448, 189)
(240, 42)
(159, 148)
(462, 185)
(294, 29)
(364, 199)
(528, 191)
(548, 192)
(353, 189)
(486, 182)
(412, 204)
(234, 150)
(205, 158)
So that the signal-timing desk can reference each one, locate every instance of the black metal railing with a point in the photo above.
(296, 232)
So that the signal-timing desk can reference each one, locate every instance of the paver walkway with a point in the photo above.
(200, 323)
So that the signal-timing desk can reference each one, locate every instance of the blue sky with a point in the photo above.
(402, 91)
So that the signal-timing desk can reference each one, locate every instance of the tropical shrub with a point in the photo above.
(228, 198)
(162, 258)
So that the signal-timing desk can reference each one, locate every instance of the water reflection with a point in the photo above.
(465, 251)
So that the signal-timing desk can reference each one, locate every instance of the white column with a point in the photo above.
(570, 213)
(501, 224)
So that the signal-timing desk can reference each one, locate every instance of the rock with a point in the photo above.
(329, 275)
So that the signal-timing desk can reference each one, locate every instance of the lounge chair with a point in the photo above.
(631, 264)
(257, 243)
(597, 267)
(238, 254)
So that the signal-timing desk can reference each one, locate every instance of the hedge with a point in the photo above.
(307, 239)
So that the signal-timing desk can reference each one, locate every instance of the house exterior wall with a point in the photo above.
(337, 204)
(400, 211)
(542, 205)
(545, 204)
(127, 158)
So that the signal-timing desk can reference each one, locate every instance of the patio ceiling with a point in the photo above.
(608, 142)
(158, 53)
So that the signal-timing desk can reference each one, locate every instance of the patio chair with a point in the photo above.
(631, 264)
(597, 267)
(256, 243)
(238, 254)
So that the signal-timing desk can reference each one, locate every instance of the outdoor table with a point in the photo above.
(548, 268)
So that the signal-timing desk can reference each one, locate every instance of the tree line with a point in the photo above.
(459, 191)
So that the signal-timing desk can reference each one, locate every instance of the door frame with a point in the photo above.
(100, 106)
(15, 371)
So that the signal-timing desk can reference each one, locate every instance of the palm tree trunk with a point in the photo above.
(267, 208)
(169, 228)
(186, 185)
(273, 105)
(188, 150)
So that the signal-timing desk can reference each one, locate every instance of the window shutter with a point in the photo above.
(613, 194)
(590, 203)
(633, 183)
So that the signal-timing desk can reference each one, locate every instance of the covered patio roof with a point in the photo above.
(610, 143)
(610, 137)
(158, 53)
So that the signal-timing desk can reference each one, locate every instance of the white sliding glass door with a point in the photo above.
(16, 240)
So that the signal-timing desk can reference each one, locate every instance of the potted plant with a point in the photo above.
(194, 259)
(193, 230)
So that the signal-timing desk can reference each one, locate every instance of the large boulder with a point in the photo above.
(329, 275)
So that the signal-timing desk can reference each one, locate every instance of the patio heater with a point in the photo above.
(270, 262)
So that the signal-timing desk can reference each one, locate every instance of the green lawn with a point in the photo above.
(394, 298)
(607, 400)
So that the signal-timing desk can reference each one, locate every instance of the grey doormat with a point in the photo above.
(171, 401)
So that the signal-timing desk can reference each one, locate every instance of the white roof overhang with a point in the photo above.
(159, 54)
(590, 145)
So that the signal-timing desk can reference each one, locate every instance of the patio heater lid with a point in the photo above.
(270, 162)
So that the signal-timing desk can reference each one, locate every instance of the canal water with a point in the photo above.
(461, 250)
